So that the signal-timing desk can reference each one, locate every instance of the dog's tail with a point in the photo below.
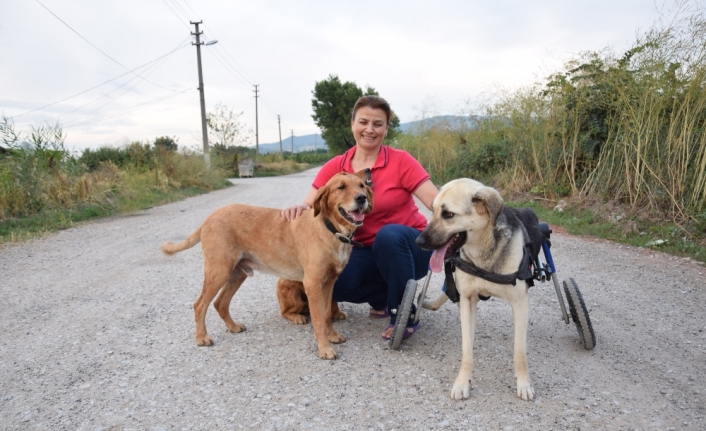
(170, 248)
(436, 303)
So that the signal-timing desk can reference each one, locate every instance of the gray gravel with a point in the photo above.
(98, 334)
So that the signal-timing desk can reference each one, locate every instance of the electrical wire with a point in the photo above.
(100, 50)
(154, 67)
(181, 45)
(118, 113)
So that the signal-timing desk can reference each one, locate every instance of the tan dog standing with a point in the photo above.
(239, 239)
(472, 219)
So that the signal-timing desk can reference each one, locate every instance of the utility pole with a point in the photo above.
(257, 137)
(292, 142)
(204, 131)
(281, 152)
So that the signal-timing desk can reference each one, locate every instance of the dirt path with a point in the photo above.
(98, 335)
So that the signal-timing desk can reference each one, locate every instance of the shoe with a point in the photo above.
(375, 314)
(409, 330)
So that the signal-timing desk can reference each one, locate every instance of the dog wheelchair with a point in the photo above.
(544, 270)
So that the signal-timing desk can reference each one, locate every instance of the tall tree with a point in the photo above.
(332, 103)
(224, 126)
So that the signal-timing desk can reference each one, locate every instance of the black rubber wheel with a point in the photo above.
(403, 314)
(579, 314)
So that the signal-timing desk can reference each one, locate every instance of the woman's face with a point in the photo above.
(369, 127)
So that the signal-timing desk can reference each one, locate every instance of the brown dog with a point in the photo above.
(238, 239)
(294, 305)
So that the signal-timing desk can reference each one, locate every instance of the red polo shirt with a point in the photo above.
(395, 175)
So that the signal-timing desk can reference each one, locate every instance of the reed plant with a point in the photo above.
(628, 129)
(618, 140)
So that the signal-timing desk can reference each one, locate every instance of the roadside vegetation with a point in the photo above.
(44, 187)
(616, 141)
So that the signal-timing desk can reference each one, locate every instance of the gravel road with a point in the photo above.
(99, 335)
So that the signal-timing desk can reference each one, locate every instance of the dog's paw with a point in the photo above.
(236, 327)
(461, 390)
(340, 315)
(204, 341)
(524, 390)
(327, 353)
(336, 338)
(297, 319)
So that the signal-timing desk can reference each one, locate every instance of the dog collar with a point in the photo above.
(344, 239)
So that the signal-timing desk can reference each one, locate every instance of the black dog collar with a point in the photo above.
(344, 239)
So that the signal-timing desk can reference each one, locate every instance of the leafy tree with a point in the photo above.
(332, 103)
(224, 126)
(166, 142)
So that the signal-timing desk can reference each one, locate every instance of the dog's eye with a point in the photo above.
(447, 215)
(342, 187)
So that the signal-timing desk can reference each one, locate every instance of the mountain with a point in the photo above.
(307, 142)
(301, 143)
(453, 121)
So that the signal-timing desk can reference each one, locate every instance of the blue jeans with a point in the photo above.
(378, 275)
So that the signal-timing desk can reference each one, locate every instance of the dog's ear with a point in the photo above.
(487, 200)
(320, 200)
(366, 176)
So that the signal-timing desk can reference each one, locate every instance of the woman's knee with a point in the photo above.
(392, 237)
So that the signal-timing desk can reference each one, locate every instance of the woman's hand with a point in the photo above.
(294, 212)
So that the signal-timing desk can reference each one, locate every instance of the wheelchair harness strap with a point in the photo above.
(523, 273)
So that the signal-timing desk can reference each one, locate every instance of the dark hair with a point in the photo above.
(374, 102)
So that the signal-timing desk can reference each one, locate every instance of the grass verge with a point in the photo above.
(631, 230)
(36, 225)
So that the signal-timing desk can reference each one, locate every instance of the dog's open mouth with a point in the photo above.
(436, 263)
(354, 217)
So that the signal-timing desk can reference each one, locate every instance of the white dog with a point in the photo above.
(493, 248)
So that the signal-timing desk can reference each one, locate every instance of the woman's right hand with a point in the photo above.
(294, 212)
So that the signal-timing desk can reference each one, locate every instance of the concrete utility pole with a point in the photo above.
(292, 143)
(257, 137)
(281, 152)
(204, 131)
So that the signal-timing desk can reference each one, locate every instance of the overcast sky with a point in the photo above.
(422, 56)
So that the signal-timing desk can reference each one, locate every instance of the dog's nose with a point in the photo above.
(361, 199)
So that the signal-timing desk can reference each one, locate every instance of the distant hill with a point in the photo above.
(301, 143)
(454, 121)
(307, 142)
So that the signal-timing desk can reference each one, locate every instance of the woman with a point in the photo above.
(378, 272)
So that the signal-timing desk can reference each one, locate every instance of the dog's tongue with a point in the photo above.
(437, 258)
(357, 215)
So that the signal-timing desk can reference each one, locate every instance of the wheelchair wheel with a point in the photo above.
(403, 313)
(579, 314)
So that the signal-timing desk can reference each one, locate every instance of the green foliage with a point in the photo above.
(483, 162)
(166, 142)
(43, 187)
(318, 157)
(333, 105)
(136, 155)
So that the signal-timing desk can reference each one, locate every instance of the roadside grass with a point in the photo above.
(286, 167)
(132, 200)
(632, 230)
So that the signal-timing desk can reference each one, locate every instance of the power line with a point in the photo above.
(172, 10)
(100, 50)
(181, 45)
(156, 66)
(115, 114)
